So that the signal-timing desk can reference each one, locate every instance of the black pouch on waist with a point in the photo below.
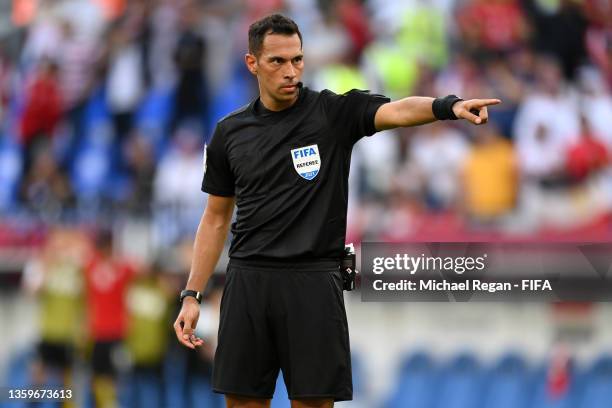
(348, 268)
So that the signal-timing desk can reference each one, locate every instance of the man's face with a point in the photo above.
(278, 68)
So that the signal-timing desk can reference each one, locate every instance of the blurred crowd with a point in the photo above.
(105, 326)
(106, 105)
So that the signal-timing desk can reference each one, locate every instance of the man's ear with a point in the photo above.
(251, 62)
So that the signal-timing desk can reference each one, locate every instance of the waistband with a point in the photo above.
(292, 264)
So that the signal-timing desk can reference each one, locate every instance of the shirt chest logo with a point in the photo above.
(306, 161)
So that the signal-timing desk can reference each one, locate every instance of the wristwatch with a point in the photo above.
(187, 292)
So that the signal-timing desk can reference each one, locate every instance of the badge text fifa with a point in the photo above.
(307, 151)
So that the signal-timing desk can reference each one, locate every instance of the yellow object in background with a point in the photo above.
(490, 178)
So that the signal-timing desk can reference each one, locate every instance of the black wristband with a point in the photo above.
(443, 107)
(197, 295)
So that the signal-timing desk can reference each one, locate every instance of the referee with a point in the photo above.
(283, 160)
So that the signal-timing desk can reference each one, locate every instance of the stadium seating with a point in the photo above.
(416, 383)
(507, 383)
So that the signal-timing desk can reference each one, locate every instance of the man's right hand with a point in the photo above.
(186, 322)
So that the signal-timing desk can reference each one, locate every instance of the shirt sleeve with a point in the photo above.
(351, 114)
(218, 177)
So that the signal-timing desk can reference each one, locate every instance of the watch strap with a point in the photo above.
(187, 292)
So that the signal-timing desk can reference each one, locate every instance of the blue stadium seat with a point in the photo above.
(92, 162)
(156, 108)
(507, 383)
(360, 391)
(97, 109)
(10, 172)
(18, 376)
(541, 393)
(416, 383)
(235, 93)
(90, 171)
(461, 383)
(153, 118)
(597, 388)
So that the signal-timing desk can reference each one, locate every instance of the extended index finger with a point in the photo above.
(485, 102)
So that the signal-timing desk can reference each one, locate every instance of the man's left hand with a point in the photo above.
(474, 110)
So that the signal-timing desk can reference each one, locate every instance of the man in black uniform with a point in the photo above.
(284, 160)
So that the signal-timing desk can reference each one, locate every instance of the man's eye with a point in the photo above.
(297, 59)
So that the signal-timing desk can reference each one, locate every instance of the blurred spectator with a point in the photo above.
(148, 333)
(490, 177)
(522, 63)
(560, 32)
(45, 189)
(460, 77)
(77, 58)
(502, 82)
(598, 43)
(543, 159)
(108, 278)
(44, 35)
(326, 29)
(112, 8)
(422, 35)
(140, 166)
(559, 373)
(597, 101)
(41, 114)
(492, 26)
(587, 156)
(163, 22)
(341, 77)
(389, 70)
(191, 102)
(546, 124)
(376, 160)
(353, 16)
(6, 74)
(599, 47)
(125, 82)
(178, 198)
(55, 278)
(438, 153)
(398, 220)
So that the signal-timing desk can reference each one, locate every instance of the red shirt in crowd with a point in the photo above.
(107, 284)
(585, 157)
(496, 26)
(43, 108)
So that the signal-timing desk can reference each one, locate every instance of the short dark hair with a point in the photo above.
(272, 24)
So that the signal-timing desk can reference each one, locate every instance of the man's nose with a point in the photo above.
(290, 71)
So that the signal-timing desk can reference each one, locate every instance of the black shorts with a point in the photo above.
(56, 355)
(289, 317)
(103, 357)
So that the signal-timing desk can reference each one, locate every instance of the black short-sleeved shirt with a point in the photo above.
(289, 172)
